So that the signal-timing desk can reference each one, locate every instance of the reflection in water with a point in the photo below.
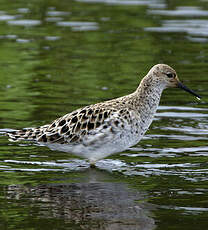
(79, 26)
(181, 11)
(150, 3)
(90, 205)
(55, 13)
(6, 17)
(25, 22)
(193, 26)
(49, 68)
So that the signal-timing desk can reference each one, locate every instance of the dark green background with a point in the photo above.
(48, 70)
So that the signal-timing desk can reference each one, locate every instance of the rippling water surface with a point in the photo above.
(57, 56)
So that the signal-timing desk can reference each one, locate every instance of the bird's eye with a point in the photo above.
(170, 75)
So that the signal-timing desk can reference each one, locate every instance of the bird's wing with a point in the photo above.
(73, 127)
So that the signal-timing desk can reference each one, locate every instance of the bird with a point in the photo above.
(99, 130)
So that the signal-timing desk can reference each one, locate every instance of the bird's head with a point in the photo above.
(167, 78)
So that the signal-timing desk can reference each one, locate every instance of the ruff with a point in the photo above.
(99, 130)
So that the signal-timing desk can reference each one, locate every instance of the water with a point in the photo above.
(57, 56)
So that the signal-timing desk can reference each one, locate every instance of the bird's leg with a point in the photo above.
(92, 164)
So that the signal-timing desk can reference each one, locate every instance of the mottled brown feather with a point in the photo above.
(72, 127)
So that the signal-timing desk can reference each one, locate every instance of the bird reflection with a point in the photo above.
(91, 204)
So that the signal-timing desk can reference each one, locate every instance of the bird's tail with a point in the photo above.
(27, 134)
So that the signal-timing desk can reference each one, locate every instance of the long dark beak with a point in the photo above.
(182, 86)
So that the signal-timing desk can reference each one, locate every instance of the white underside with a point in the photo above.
(95, 149)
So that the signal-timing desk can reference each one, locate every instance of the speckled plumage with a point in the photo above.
(99, 130)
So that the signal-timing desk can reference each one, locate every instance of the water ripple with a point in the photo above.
(182, 108)
(181, 11)
(189, 209)
(196, 27)
(79, 26)
(7, 17)
(74, 165)
(151, 3)
(24, 22)
(177, 137)
(181, 115)
(23, 10)
(55, 13)
(187, 129)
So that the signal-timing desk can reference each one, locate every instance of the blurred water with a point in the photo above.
(57, 56)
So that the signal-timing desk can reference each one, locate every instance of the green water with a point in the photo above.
(51, 66)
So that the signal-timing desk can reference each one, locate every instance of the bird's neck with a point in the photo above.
(147, 96)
